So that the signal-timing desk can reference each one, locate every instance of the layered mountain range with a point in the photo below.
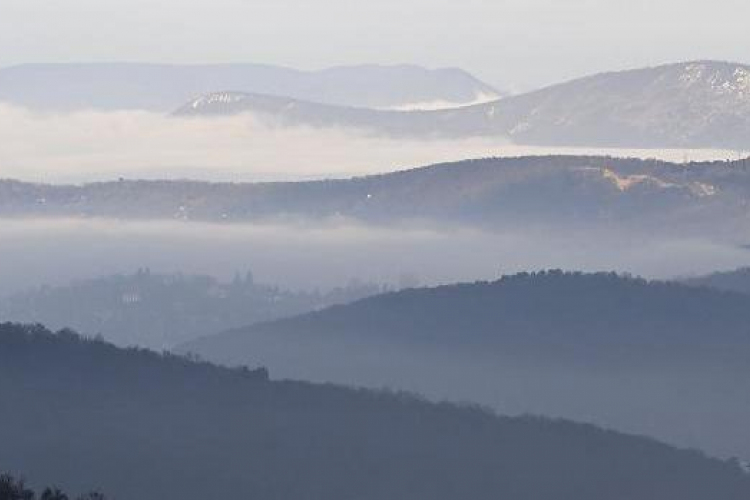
(162, 87)
(698, 104)
(702, 104)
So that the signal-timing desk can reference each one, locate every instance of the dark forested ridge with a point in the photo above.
(549, 314)
(17, 489)
(488, 192)
(662, 359)
(152, 426)
(161, 310)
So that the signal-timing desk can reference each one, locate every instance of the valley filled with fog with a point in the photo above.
(304, 256)
(372, 281)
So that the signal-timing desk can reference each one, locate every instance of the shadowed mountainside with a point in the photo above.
(154, 426)
(662, 359)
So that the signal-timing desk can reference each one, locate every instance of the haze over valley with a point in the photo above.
(331, 250)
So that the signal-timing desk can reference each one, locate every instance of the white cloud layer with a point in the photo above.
(326, 255)
(87, 146)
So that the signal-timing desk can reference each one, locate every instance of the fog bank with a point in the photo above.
(91, 146)
(36, 252)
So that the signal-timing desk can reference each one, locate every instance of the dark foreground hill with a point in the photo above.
(656, 358)
(148, 426)
(495, 192)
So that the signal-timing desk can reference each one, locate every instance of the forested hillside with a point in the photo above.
(152, 426)
(656, 358)
(705, 198)
(551, 314)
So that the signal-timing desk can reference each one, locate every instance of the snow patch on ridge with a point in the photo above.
(216, 97)
(722, 80)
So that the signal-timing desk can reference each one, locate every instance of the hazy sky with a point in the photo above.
(517, 43)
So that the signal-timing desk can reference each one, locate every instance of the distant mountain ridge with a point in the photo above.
(702, 104)
(493, 192)
(164, 87)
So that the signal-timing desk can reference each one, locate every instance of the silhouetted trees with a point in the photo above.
(16, 489)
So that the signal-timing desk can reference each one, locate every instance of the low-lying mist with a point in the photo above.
(93, 145)
(37, 252)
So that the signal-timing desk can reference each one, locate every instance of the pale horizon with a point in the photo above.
(512, 45)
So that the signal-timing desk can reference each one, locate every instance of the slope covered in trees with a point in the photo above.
(154, 426)
(495, 192)
(662, 359)
(549, 314)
